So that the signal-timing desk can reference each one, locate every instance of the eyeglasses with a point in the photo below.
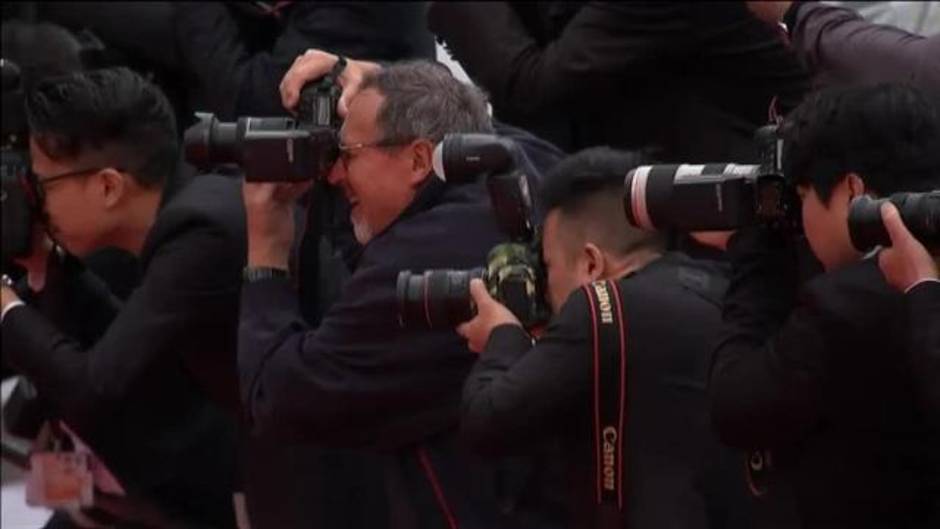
(41, 182)
(345, 150)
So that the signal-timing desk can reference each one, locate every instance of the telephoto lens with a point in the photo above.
(462, 158)
(920, 212)
(435, 299)
(693, 197)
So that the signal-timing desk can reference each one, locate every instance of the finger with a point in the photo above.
(290, 192)
(464, 329)
(893, 224)
(310, 66)
(479, 293)
(342, 107)
(883, 259)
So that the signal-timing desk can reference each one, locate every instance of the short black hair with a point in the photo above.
(587, 188)
(889, 134)
(115, 114)
(586, 173)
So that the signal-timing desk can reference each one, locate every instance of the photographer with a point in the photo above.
(676, 473)
(815, 377)
(143, 383)
(908, 267)
(840, 47)
(358, 379)
(237, 52)
(692, 79)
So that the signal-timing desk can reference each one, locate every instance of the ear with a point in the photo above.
(855, 184)
(421, 158)
(113, 186)
(594, 263)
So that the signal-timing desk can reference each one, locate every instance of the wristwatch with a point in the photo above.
(250, 274)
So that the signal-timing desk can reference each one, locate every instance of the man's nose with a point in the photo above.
(337, 173)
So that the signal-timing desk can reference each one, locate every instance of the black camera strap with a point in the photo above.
(610, 389)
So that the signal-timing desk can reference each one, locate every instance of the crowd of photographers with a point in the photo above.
(349, 293)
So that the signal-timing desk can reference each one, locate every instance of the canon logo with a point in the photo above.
(609, 436)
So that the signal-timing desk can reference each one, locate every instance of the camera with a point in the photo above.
(718, 196)
(920, 212)
(514, 274)
(17, 195)
(273, 149)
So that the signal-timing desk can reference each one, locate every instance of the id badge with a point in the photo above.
(59, 480)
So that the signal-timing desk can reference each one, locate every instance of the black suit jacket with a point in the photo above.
(138, 392)
(823, 380)
(693, 78)
(840, 47)
(923, 303)
(239, 61)
(360, 380)
(677, 474)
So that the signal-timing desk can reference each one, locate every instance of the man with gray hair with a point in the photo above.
(359, 380)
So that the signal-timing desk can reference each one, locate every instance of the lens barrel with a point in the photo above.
(691, 197)
(920, 212)
(435, 299)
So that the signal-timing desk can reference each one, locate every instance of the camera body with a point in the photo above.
(18, 197)
(273, 149)
(718, 196)
(920, 212)
(514, 274)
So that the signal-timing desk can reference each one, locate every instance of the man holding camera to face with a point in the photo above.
(815, 379)
(657, 463)
(358, 379)
(143, 384)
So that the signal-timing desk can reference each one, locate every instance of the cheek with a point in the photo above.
(560, 285)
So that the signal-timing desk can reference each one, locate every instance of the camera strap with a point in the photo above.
(610, 385)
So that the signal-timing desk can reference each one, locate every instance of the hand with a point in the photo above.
(906, 262)
(769, 12)
(7, 296)
(490, 314)
(313, 65)
(37, 262)
(713, 239)
(269, 211)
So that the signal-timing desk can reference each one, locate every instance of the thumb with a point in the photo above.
(893, 224)
(342, 107)
(479, 293)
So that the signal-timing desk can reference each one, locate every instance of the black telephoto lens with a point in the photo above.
(920, 212)
(435, 299)
(212, 142)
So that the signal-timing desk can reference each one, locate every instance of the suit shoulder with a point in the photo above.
(857, 294)
(457, 232)
(209, 199)
(209, 206)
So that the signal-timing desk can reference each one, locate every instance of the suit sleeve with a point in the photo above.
(602, 43)
(242, 81)
(182, 292)
(767, 374)
(924, 305)
(356, 380)
(516, 390)
(839, 44)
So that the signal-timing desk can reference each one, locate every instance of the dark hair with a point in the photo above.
(40, 50)
(586, 173)
(889, 134)
(114, 115)
(587, 187)
(424, 100)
